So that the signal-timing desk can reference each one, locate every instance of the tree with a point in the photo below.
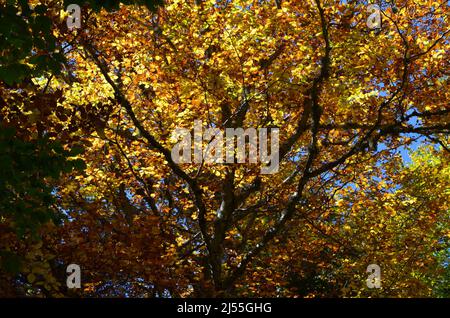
(344, 98)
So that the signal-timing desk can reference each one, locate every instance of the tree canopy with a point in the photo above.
(87, 177)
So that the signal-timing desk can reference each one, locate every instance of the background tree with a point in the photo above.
(346, 101)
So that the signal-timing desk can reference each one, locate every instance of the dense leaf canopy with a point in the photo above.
(87, 117)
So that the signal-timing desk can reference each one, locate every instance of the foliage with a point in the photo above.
(27, 44)
(348, 102)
